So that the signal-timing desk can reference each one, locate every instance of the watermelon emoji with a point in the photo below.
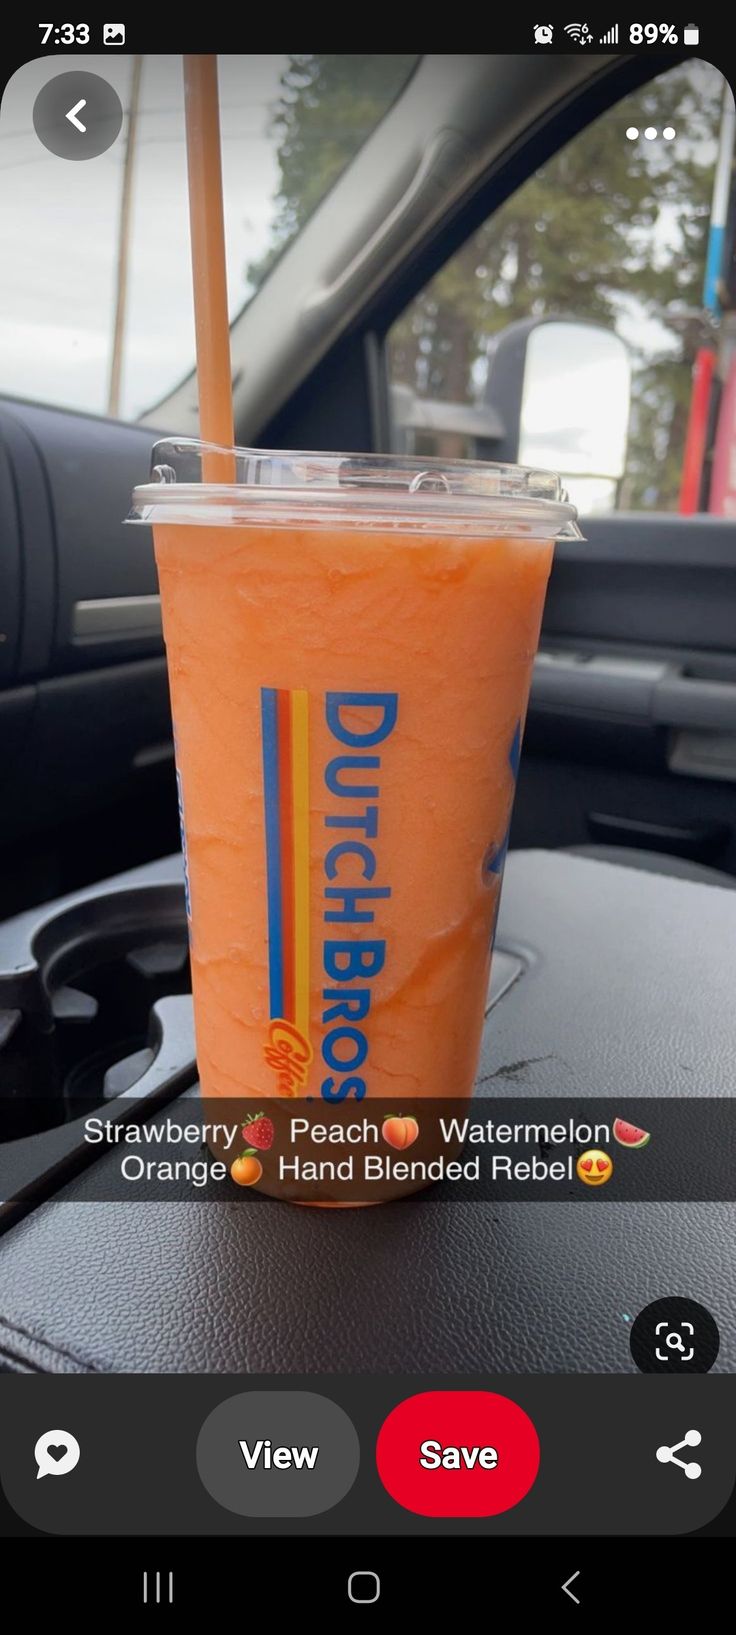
(629, 1135)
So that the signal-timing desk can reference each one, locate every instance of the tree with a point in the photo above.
(610, 229)
(327, 108)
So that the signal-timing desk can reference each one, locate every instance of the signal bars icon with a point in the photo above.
(610, 37)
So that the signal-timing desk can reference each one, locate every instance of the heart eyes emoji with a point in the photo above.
(594, 1168)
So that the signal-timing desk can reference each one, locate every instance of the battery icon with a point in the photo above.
(691, 34)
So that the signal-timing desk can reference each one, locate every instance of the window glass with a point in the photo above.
(290, 124)
(616, 230)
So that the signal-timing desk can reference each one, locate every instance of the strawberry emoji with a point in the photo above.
(258, 1131)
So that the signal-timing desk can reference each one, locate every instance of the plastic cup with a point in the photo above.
(350, 642)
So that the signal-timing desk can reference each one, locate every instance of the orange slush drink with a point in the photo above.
(350, 663)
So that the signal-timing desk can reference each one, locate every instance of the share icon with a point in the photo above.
(666, 1456)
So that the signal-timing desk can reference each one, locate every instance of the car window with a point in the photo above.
(617, 230)
(68, 243)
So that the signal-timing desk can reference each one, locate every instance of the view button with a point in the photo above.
(278, 1453)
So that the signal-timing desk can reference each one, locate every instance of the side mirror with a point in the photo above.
(558, 396)
(562, 388)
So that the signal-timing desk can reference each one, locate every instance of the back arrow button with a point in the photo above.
(568, 1591)
(72, 114)
(77, 115)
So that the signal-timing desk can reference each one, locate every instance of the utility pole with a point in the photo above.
(126, 199)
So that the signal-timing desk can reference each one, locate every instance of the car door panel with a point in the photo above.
(631, 732)
(654, 579)
(88, 467)
(85, 727)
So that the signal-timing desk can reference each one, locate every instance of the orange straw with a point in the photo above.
(209, 272)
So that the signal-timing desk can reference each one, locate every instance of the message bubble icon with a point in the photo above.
(56, 1453)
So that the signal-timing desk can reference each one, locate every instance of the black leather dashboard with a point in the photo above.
(627, 988)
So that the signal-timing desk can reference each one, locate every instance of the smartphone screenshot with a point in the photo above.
(368, 840)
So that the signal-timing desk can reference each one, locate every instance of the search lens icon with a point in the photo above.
(674, 1335)
(56, 1453)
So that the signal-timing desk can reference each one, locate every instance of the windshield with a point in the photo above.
(75, 234)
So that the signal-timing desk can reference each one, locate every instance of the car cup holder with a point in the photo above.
(95, 1011)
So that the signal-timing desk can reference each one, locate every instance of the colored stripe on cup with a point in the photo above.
(285, 739)
(300, 797)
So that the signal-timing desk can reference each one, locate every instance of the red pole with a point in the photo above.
(722, 497)
(697, 431)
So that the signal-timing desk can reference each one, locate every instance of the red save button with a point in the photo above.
(457, 1453)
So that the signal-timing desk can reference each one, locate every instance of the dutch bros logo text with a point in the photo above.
(350, 891)
(350, 964)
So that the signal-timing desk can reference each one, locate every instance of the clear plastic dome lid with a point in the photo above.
(198, 483)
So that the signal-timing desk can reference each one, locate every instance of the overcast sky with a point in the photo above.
(59, 227)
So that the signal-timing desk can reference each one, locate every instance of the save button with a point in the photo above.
(457, 1453)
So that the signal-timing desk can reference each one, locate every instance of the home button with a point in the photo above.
(364, 1588)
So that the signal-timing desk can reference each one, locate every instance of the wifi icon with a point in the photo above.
(580, 33)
